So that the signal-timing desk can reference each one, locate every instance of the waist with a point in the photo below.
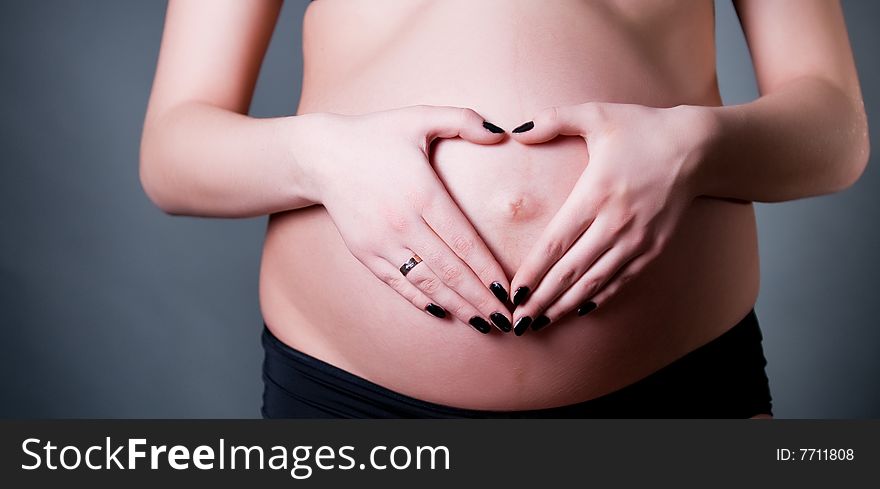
(317, 297)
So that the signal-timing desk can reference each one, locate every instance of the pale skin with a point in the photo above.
(619, 185)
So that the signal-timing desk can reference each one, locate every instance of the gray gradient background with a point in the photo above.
(110, 308)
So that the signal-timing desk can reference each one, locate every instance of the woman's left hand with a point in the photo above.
(621, 212)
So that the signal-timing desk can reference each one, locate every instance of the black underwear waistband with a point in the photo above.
(725, 378)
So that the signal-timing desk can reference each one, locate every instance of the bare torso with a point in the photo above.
(507, 59)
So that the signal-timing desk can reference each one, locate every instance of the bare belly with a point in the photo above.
(316, 297)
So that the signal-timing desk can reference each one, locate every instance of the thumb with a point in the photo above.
(567, 120)
(451, 122)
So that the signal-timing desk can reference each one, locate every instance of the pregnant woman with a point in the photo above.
(512, 208)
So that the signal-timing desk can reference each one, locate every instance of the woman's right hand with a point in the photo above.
(373, 175)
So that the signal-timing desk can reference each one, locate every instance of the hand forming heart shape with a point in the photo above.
(413, 236)
(620, 213)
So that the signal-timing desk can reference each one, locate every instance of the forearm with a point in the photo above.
(201, 160)
(805, 139)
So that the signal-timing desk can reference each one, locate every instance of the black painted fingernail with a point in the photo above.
(520, 295)
(586, 308)
(500, 321)
(499, 291)
(522, 325)
(525, 127)
(435, 310)
(480, 324)
(492, 127)
(540, 322)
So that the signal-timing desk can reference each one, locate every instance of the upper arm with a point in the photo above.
(211, 52)
(790, 39)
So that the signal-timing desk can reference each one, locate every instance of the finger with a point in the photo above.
(457, 275)
(451, 122)
(454, 228)
(571, 220)
(565, 120)
(586, 251)
(426, 280)
(584, 296)
(390, 274)
(617, 283)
